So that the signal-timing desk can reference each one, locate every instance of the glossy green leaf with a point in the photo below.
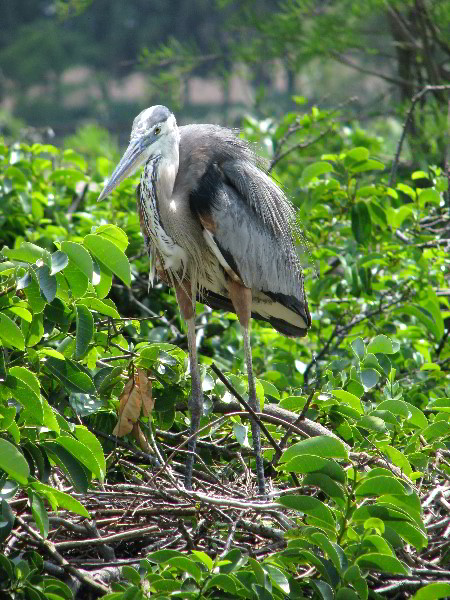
(204, 558)
(79, 256)
(90, 440)
(47, 283)
(310, 506)
(60, 260)
(10, 333)
(29, 253)
(429, 195)
(361, 223)
(328, 485)
(369, 378)
(314, 170)
(76, 279)
(321, 445)
(110, 255)
(70, 375)
(358, 348)
(82, 453)
(70, 465)
(382, 563)
(27, 377)
(223, 582)
(433, 591)
(85, 330)
(99, 306)
(114, 234)
(13, 462)
(349, 399)
(382, 344)
(23, 393)
(377, 486)
(39, 514)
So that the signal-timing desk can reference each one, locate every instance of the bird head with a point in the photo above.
(154, 133)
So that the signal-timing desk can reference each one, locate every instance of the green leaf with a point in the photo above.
(322, 445)
(314, 170)
(345, 593)
(223, 582)
(23, 393)
(358, 348)
(131, 574)
(306, 463)
(382, 344)
(369, 378)
(76, 279)
(361, 223)
(99, 306)
(269, 388)
(114, 234)
(349, 399)
(85, 330)
(10, 333)
(241, 434)
(382, 563)
(323, 589)
(429, 195)
(110, 255)
(367, 165)
(433, 591)
(90, 440)
(334, 551)
(204, 558)
(422, 317)
(39, 514)
(81, 453)
(377, 486)
(80, 257)
(357, 154)
(70, 375)
(60, 260)
(47, 283)
(13, 462)
(70, 465)
(372, 423)
(69, 177)
(186, 565)
(328, 485)
(29, 253)
(27, 377)
(33, 293)
(162, 556)
(310, 506)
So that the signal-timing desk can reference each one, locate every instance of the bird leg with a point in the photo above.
(241, 297)
(196, 400)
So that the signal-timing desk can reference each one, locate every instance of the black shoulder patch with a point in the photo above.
(205, 195)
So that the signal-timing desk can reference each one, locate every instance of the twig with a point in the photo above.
(49, 547)
(245, 404)
(415, 99)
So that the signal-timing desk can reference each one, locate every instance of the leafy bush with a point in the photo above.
(77, 319)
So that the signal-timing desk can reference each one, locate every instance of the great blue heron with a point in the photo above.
(219, 229)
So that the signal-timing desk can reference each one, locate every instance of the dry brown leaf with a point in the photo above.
(136, 395)
(145, 388)
(141, 439)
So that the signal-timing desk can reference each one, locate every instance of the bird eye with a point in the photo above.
(157, 130)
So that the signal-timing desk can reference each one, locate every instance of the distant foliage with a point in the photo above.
(76, 320)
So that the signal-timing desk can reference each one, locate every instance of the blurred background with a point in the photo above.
(79, 71)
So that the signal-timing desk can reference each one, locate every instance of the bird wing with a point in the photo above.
(247, 224)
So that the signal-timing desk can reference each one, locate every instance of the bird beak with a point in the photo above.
(132, 159)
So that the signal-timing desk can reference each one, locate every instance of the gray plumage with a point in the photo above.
(217, 226)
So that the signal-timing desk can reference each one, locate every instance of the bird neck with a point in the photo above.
(165, 169)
